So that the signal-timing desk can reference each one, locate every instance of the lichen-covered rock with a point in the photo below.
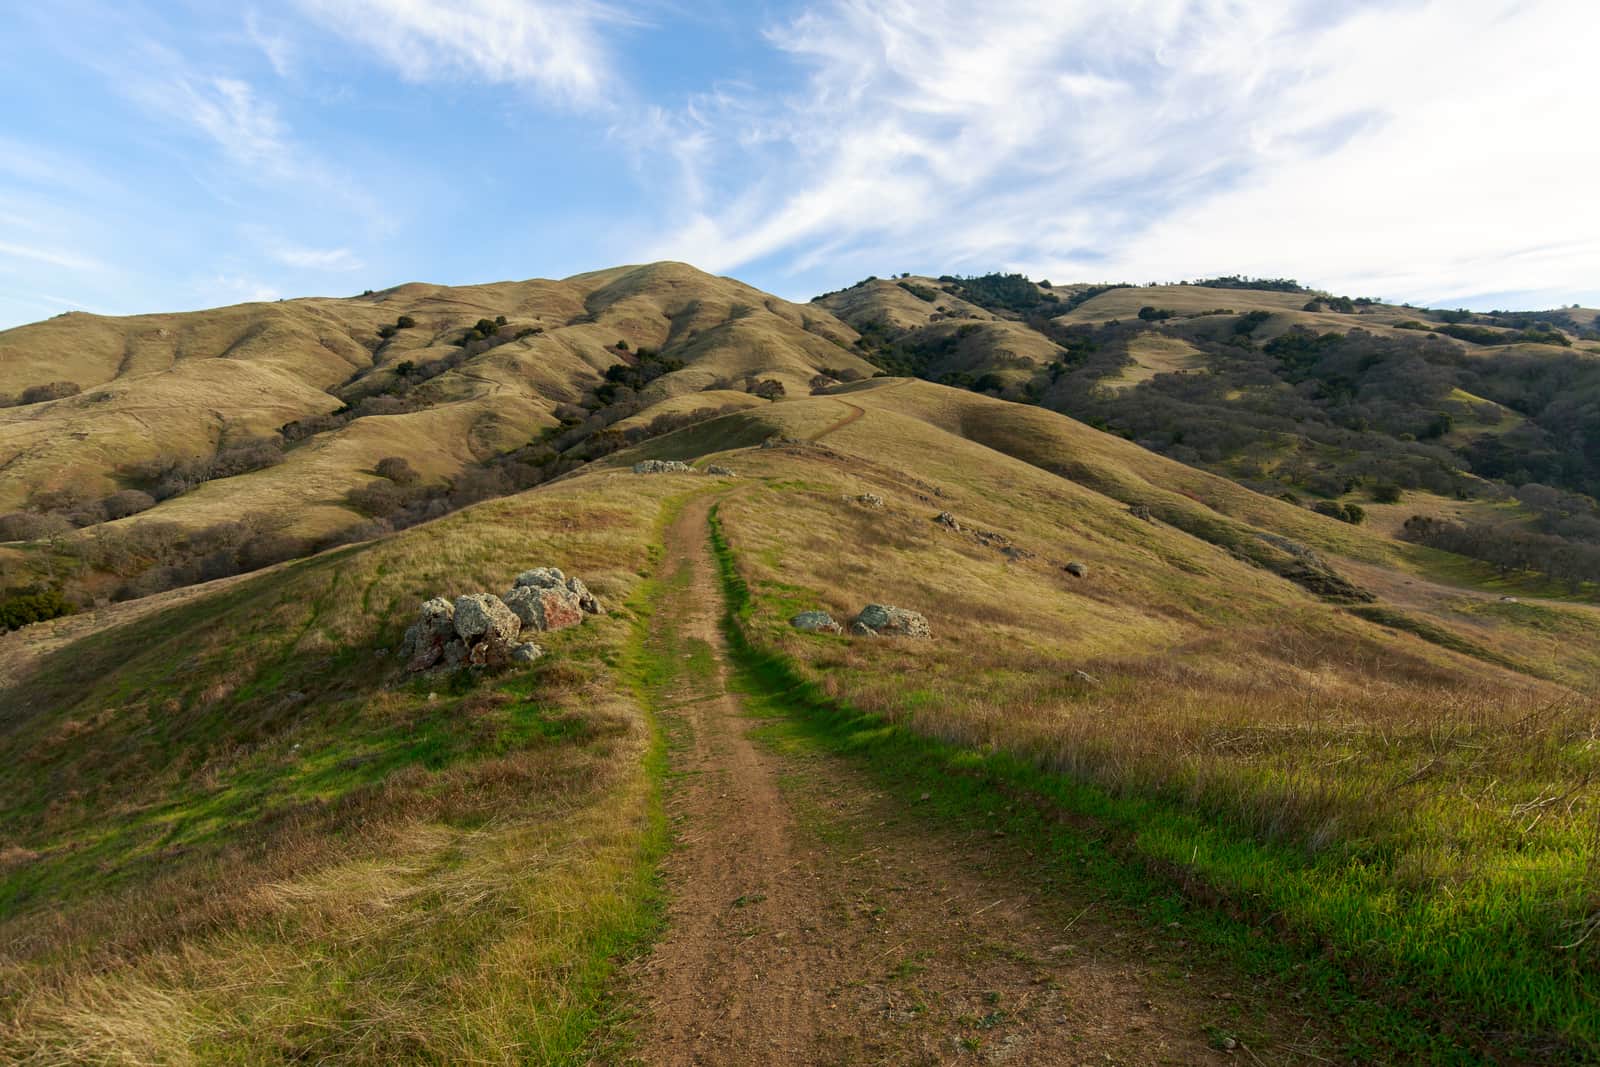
(455, 654)
(870, 500)
(816, 622)
(526, 652)
(485, 615)
(944, 518)
(661, 466)
(1076, 569)
(881, 620)
(437, 615)
(544, 609)
(718, 469)
(425, 640)
(587, 601)
(540, 578)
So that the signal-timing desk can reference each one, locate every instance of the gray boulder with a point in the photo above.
(587, 601)
(541, 609)
(540, 578)
(526, 652)
(718, 469)
(816, 622)
(661, 466)
(881, 620)
(484, 615)
(425, 640)
(1076, 569)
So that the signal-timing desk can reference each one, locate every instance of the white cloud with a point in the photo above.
(325, 259)
(55, 257)
(554, 47)
(1396, 150)
(275, 46)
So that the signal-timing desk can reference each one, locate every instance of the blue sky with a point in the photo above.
(173, 155)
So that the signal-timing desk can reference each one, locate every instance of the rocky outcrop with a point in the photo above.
(545, 608)
(720, 471)
(483, 630)
(870, 500)
(662, 466)
(424, 643)
(881, 620)
(816, 622)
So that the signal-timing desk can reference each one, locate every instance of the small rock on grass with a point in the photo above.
(816, 622)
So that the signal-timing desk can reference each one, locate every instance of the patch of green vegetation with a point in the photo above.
(1493, 969)
(1399, 620)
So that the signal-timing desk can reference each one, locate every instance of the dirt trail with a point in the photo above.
(813, 920)
(855, 413)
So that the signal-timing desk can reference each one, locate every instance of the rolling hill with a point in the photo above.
(1238, 747)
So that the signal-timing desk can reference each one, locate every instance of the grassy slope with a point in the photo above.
(184, 383)
(232, 832)
(1411, 809)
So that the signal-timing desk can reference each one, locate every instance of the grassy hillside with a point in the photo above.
(1330, 401)
(233, 827)
(214, 442)
(234, 830)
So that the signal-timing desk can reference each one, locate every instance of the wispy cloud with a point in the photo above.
(323, 259)
(55, 257)
(557, 48)
(1368, 146)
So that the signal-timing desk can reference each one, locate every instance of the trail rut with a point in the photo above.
(815, 920)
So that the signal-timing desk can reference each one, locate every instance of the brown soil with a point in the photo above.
(814, 920)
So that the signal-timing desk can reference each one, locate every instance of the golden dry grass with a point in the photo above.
(234, 833)
(159, 384)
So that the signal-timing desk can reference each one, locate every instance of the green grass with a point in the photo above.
(1413, 974)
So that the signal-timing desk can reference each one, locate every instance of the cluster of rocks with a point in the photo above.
(481, 629)
(988, 538)
(874, 620)
(868, 500)
(662, 466)
(675, 466)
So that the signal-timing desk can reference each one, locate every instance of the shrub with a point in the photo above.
(766, 388)
(38, 394)
(1152, 314)
(1354, 514)
(378, 499)
(404, 322)
(621, 346)
(1386, 493)
(1249, 321)
(18, 608)
(31, 526)
(120, 505)
(398, 470)
(255, 454)
(387, 332)
(499, 320)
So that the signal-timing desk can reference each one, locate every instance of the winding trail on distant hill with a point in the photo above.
(813, 919)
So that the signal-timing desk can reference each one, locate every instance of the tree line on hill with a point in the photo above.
(1326, 414)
